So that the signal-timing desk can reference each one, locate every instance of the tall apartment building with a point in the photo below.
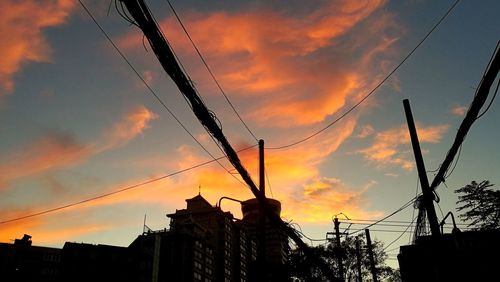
(232, 250)
(203, 243)
(272, 242)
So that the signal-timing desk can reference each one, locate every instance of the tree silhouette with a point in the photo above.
(301, 270)
(480, 205)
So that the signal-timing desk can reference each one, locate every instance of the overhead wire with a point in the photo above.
(375, 88)
(269, 183)
(158, 99)
(209, 69)
(491, 101)
(407, 204)
(130, 187)
(401, 235)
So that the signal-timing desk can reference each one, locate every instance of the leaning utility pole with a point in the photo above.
(142, 18)
(428, 197)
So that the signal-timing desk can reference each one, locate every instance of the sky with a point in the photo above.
(77, 122)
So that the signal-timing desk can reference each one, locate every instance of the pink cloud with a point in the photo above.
(387, 147)
(22, 40)
(52, 151)
(459, 110)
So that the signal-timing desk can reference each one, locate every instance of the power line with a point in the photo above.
(209, 70)
(377, 230)
(117, 191)
(407, 204)
(375, 88)
(388, 221)
(269, 183)
(401, 235)
(158, 99)
(389, 225)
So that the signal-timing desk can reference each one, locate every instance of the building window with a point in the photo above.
(198, 244)
(198, 255)
(208, 271)
(197, 265)
(197, 276)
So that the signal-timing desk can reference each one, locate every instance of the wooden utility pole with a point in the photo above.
(358, 260)
(262, 174)
(339, 249)
(428, 196)
(370, 253)
(261, 249)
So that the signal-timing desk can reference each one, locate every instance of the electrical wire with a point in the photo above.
(389, 225)
(269, 183)
(210, 70)
(491, 102)
(407, 204)
(130, 187)
(401, 235)
(158, 99)
(375, 88)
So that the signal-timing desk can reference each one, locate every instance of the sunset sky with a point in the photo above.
(76, 122)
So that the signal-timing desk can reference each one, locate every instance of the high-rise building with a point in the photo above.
(272, 242)
(225, 235)
(203, 243)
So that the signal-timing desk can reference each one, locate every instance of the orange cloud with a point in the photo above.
(323, 197)
(47, 231)
(58, 150)
(296, 181)
(296, 65)
(22, 40)
(289, 171)
(133, 124)
(365, 131)
(387, 146)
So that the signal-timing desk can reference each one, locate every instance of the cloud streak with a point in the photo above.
(22, 41)
(388, 146)
(58, 150)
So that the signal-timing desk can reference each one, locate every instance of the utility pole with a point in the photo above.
(261, 249)
(370, 253)
(358, 261)
(428, 196)
(262, 175)
(339, 249)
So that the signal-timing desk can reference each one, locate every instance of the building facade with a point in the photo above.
(203, 243)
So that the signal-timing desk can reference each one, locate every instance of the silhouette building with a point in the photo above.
(462, 256)
(272, 242)
(23, 262)
(203, 243)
